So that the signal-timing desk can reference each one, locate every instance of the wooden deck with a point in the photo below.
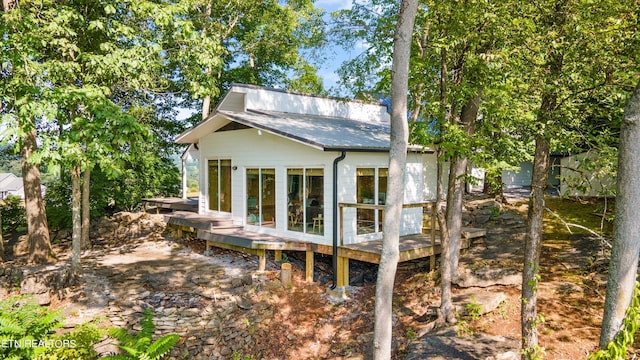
(222, 233)
(178, 204)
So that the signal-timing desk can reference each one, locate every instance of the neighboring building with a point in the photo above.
(267, 159)
(582, 176)
(522, 177)
(11, 185)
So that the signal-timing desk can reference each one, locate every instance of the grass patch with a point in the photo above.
(586, 213)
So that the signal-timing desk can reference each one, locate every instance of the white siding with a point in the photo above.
(251, 149)
(573, 182)
(429, 176)
(265, 99)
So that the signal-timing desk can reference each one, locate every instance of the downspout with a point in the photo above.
(335, 218)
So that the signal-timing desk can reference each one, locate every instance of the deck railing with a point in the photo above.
(428, 215)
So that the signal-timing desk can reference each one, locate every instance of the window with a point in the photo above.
(371, 187)
(220, 185)
(261, 197)
(305, 205)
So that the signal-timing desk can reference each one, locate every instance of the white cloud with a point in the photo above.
(332, 5)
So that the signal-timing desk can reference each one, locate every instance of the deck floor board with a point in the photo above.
(217, 230)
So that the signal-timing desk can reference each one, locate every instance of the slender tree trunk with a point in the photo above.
(1, 239)
(623, 266)
(76, 239)
(530, 274)
(40, 250)
(454, 210)
(455, 191)
(86, 209)
(545, 119)
(395, 186)
(7, 5)
(447, 313)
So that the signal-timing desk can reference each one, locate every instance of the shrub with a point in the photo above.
(76, 344)
(22, 321)
(139, 346)
(27, 332)
(13, 214)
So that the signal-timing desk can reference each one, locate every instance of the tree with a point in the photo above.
(569, 56)
(626, 245)
(1, 240)
(395, 183)
(40, 250)
(250, 42)
(19, 89)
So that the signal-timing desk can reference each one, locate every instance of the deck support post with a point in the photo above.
(277, 254)
(309, 264)
(432, 263)
(343, 271)
(262, 259)
(179, 234)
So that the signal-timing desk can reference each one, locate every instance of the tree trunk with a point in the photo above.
(86, 209)
(40, 251)
(1, 239)
(395, 186)
(626, 244)
(455, 191)
(76, 238)
(533, 242)
(7, 5)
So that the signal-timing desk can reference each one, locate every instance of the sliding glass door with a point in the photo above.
(261, 197)
(220, 185)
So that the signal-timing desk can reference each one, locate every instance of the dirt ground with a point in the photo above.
(303, 322)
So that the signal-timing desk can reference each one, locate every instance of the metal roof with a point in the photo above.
(326, 133)
(10, 182)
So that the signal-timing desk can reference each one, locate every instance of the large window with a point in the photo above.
(371, 186)
(261, 197)
(305, 208)
(220, 185)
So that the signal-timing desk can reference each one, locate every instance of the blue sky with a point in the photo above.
(337, 54)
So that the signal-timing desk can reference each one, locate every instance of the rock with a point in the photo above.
(40, 291)
(569, 288)
(236, 282)
(243, 303)
(247, 279)
(448, 346)
(488, 277)
(481, 302)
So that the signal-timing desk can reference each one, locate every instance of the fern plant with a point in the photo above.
(76, 344)
(140, 346)
(23, 325)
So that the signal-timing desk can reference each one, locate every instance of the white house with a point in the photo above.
(583, 176)
(279, 163)
(11, 185)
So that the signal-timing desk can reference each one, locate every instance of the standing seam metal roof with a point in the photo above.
(326, 133)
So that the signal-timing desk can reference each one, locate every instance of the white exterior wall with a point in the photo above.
(411, 220)
(597, 184)
(248, 149)
(265, 99)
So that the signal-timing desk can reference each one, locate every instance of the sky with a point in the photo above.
(338, 55)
